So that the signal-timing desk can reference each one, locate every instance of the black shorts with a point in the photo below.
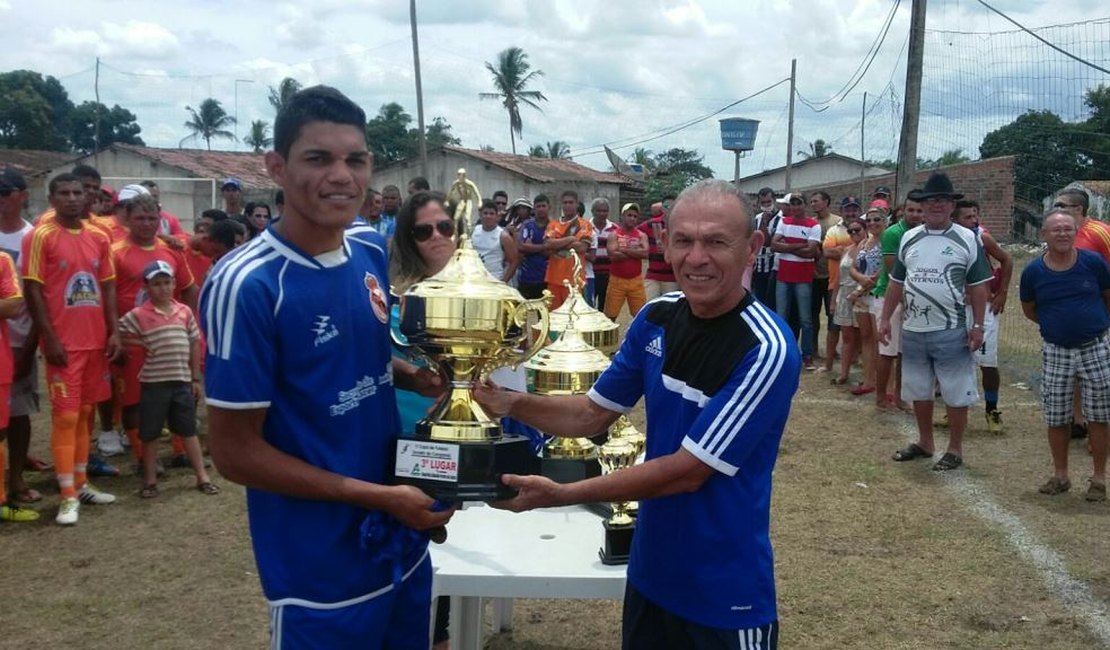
(532, 290)
(648, 626)
(163, 403)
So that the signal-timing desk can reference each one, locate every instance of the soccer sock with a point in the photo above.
(83, 440)
(63, 442)
(991, 398)
(178, 445)
(3, 478)
(136, 443)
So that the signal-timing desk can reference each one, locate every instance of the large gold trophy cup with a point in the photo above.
(466, 323)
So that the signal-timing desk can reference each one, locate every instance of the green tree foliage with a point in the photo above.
(643, 157)
(511, 76)
(438, 134)
(558, 150)
(817, 149)
(537, 151)
(1048, 153)
(117, 126)
(35, 112)
(675, 170)
(209, 121)
(280, 96)
(392, 138)
(259, 136)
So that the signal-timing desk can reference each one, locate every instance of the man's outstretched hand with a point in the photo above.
(534, 492)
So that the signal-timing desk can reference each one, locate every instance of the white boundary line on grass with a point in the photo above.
(1073, 593)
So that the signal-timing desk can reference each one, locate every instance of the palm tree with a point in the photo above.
(643, 157)
(817, 149)
(537, 151)
(510, 78)
(279, 97)
(558, 150)
(259, 136)
(211, 121)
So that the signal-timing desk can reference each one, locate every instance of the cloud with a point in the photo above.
(134, 39)
(298, 30)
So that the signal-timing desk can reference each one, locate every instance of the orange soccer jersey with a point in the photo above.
(560, 266)
(1094, 235)
(70, 264)
(106, 225)
(9, 288)
(130, 259)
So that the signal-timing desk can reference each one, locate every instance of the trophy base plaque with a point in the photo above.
(463, 471)
(570, 470)
(618, 543)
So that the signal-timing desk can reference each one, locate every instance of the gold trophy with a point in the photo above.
(624, 430)
(466, 323)
(594, 326)
(614, 456)
(569, 366)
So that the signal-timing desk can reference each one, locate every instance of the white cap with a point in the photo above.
(128, 192)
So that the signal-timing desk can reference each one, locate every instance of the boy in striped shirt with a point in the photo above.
(170, 377)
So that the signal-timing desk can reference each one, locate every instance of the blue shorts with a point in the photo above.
(393, 618)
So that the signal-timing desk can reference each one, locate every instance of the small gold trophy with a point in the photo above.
(594, 326)
(614, 456)
(623, 429)
(466, 323)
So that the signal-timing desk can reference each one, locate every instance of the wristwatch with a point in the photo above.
(976, 326)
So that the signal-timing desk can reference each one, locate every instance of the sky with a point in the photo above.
(623, 72)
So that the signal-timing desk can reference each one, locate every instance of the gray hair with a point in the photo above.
(1052, 213)
(597, 202)
(714, 188)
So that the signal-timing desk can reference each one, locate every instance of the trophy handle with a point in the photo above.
(538, 305)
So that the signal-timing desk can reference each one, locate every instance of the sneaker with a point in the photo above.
(807, 362)
(159, 469)
(89, 494)
(99, 467)
(109, 443)
(67, 512)
(16, 514)
(994, 422)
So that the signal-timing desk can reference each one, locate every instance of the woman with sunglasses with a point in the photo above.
(847, 293)
(865, 272)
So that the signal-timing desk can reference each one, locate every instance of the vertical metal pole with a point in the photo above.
(419, 91)
(96, 116)
(736, 173)
(790, 125)
(907, 143)
(862, 154)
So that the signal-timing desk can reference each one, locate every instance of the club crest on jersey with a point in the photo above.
(378, 300)
(82, 290)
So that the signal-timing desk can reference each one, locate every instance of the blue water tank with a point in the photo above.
(738, 133)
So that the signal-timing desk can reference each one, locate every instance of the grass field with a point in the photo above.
(869, 553)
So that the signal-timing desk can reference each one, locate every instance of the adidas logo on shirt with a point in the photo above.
(655, 347)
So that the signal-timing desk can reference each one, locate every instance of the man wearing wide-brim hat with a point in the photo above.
(939, 265)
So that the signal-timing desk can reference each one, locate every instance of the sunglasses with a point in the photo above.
(855, 231)
(424, 231)
(875, 219)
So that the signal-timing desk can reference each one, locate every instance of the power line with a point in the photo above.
(1045, 41)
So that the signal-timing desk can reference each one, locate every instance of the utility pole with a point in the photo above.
(96, 115)
(907, 143)
(790, 125)
(862, 132)
(237, 82)
(419, 91)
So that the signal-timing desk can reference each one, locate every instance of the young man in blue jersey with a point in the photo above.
(300, 385)
(718, 370)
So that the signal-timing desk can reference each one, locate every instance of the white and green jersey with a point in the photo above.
(935, 268)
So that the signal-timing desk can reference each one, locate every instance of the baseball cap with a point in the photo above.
(850, 200)
(519, 202)
(231, 182)
(787, 198)
(630, 206)
(128, 192)
(880, 203)
(882, 189)
(157, 267)
(11, 180)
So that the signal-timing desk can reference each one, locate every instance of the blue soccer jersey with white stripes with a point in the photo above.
(721, 389)
(308, 339)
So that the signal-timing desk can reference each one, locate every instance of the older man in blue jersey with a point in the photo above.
(718, 370)
(300, 384)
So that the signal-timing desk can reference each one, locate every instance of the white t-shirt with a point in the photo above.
(593, 248)
(20, 326)
(488, 245)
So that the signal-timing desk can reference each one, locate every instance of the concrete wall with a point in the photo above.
(821, 172)
(443, 167)
(990, 182)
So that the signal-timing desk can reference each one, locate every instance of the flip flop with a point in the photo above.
(37, 465)
(948, 462)
(911, 452)
(862, 390)
(28, 495)
(208, 488)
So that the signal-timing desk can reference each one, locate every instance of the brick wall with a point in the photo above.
(990, 182)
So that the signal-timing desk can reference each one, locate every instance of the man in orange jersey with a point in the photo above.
(569, 233)
(71, 295)
(1092, 235)
(130, 257)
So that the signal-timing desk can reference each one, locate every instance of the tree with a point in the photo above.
(487, 148)
(1095, 135)
(558, 150)
(436, 134)
(643, 157)
(537, 151)
(35, 112)
(675, 170)
(280, 96)
(211, 121)
(511, 77)
(388, 134)
(1048, 155)
(949, 157)
(259, 136)
(817, 149)
(117, 126)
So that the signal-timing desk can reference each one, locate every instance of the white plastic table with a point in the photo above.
(489, 553)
